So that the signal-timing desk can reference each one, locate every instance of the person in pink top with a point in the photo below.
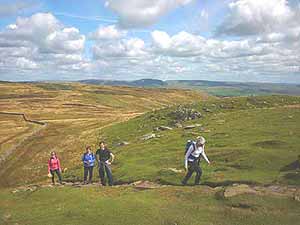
(54, 167)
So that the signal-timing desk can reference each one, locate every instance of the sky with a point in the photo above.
(229, 40)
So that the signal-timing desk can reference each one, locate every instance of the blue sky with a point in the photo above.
(230, 40)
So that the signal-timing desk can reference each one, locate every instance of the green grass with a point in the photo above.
(168, 205)
(248, 140)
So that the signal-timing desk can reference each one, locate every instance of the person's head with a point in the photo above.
(102, 145)
(200, 141)
(88, 149)
(53, 154)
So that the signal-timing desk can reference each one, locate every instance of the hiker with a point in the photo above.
(104, 158)
(88, 160)
(54, 167)
(194, 151)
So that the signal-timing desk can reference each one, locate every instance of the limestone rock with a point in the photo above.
(148, 137)
(163, 128)
(238, 190)
(192, 126)
(297, 195)
(123, 143)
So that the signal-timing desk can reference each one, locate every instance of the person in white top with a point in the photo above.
(192, 160)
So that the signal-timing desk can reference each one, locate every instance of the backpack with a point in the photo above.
(188, 145)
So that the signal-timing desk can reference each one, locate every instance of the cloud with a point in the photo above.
(133, 47)
(252, 17)
(265, 55)
(108, 33)
(141, 13)
(12, 8)
(42, 47)
(41, 42)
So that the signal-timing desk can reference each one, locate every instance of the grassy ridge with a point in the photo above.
(249, 140)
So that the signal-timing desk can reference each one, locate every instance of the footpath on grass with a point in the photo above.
(228, 191)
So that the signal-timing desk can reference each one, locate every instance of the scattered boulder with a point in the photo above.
(220, 122)
(184, 114)
(238, 189)
(207, 110)
(192, 126)
(149, 136)
(175, 170)
(206, 131)
(141, 184)
(163, 128)
(297, 195)
(123, 143)
(178, 125)
(7, 216)
(25, 189)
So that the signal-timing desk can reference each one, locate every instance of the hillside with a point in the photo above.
(216, 88)
(250, 140)
(72, 115)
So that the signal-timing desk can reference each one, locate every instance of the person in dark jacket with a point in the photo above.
(88, 160)
(54, 167)
(105, 159)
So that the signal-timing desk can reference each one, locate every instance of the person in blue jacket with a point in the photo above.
(88, 160)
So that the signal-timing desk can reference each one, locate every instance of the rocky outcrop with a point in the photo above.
(122, 143)
(238, 190)
(192, 126)
(149, 136)
(184, 114)
(163, 128)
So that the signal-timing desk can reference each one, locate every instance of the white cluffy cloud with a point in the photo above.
(140, 13)
(108, 33)
(265, 46)
(251, 17)
(41, 42)
(133, 47)
(262, 57)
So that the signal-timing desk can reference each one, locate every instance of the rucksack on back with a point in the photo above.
(188, 145)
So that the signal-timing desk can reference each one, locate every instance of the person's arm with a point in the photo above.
(83, 159)
(112, 157)
(187, 155)
(97, 156)
(205, 157)
(92, 159)
(49, 161)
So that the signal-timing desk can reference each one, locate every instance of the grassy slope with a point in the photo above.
(167, 206)
(249, 140)
(74, 114)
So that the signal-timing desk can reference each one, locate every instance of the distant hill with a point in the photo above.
(217, 88)
(136, 83)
